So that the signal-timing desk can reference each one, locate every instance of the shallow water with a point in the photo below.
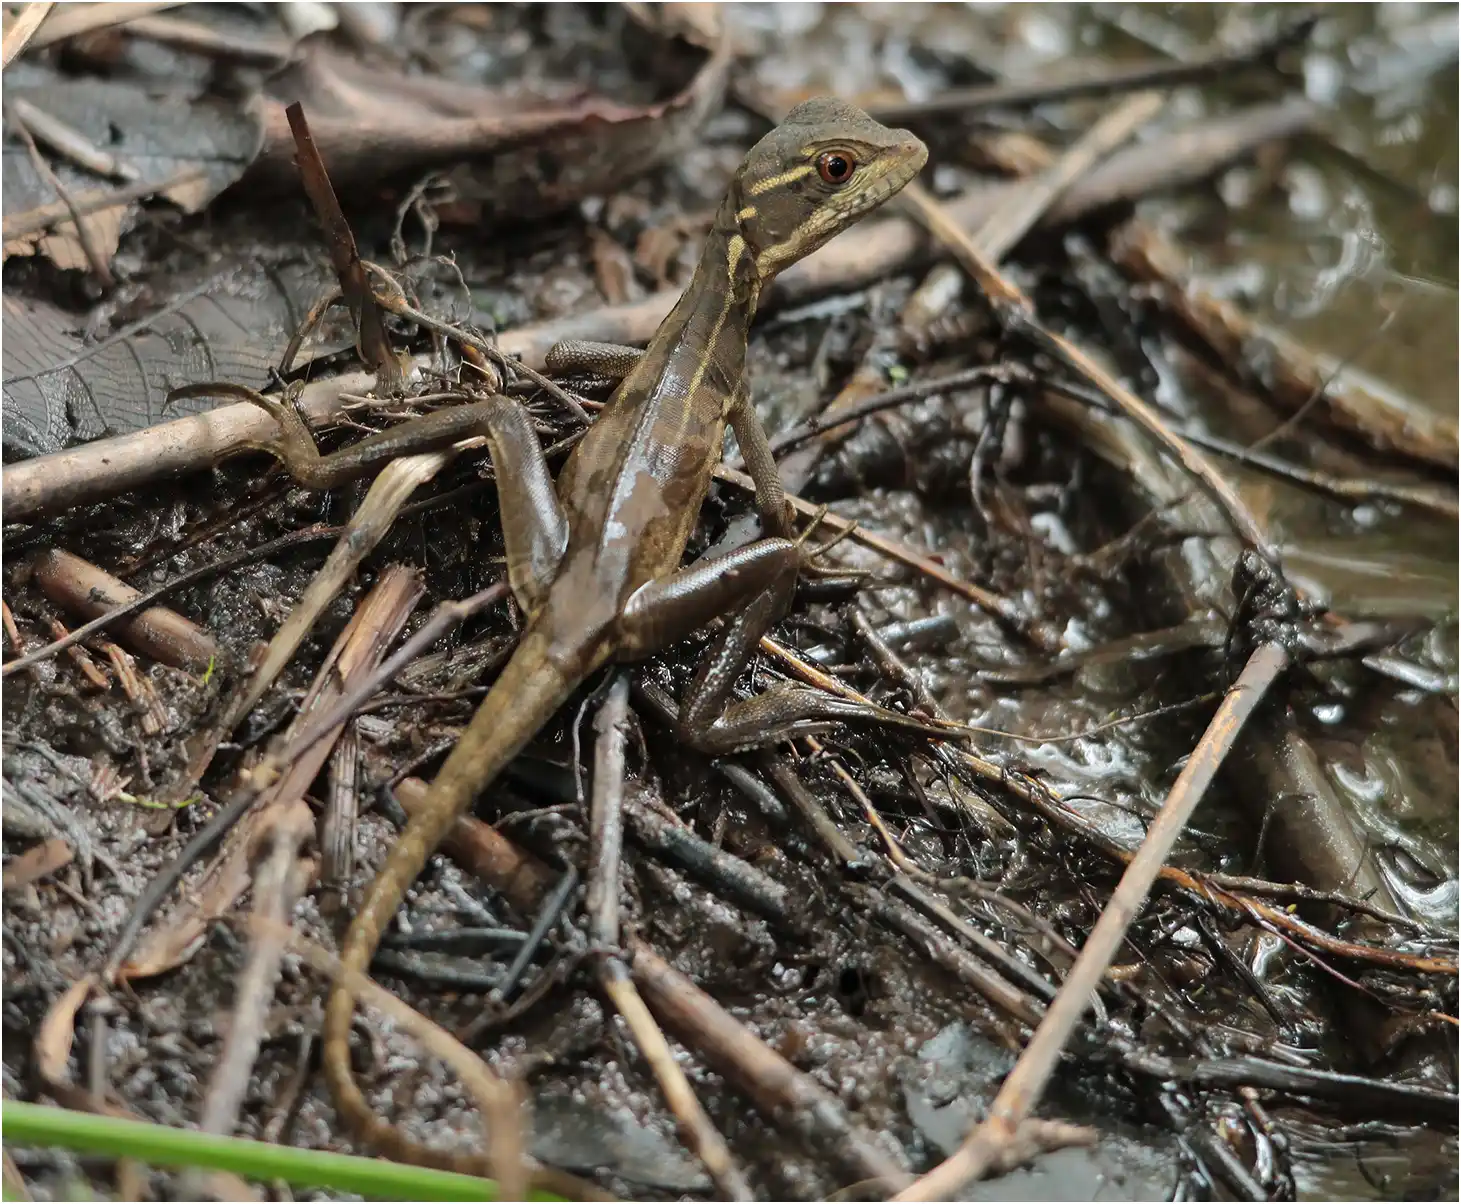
(1347, 244)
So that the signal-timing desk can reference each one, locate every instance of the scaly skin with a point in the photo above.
(630, 496)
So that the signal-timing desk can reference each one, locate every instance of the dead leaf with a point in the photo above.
(157, 135)
(612, 268)
(508, 158)
(177, 937)
(699, 24)
(58, 1029)
(52, 1052)
(63, 246)
(61, 388)
(36, 862)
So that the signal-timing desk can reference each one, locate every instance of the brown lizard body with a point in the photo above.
(596, 562)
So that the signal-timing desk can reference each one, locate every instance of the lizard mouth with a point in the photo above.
(907, 165)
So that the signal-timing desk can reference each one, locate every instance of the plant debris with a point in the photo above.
(1151, 881)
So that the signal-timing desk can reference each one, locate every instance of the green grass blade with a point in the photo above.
(375, 1178)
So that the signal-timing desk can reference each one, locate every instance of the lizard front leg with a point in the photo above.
(614, 361)
(776, 513)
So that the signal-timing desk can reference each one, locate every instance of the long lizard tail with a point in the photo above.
(522, 700)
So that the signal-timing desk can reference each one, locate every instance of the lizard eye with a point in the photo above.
(836, 167)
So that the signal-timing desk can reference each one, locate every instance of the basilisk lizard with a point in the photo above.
(595, 563)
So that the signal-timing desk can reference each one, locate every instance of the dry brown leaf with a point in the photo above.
(53, 1040)
(612, 269)
(499, 154)
(701, 25)
(63, 245)
(36, 862)
(174, 941)
(156, 134)
(53, 1051)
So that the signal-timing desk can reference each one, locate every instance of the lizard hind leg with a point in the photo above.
(752, 588)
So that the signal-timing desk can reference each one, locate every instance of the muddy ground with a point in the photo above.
(1339, 238)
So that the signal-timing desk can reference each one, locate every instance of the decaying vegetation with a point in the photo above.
(1118, 922)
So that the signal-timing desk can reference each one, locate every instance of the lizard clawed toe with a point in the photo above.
(294, 446)
(810, 554)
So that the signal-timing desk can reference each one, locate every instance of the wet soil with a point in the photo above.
(1348, 244)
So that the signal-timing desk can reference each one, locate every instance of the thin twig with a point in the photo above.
(1297, 892)
(1017, 314)
(23, 29)
(51, 1052)
(550, 911)
(95, 259)
(80, 657)
(777, 1088)
(1202, 887)
(950, 956)
(1349, 489)
(1356, 1093)
(375, 345)
(42, 217)
(1039, 633)
(71, 143)
(1013, 219)
(1025, 1084)
(725, 873)
(695, 1126)
(1124, 78)
(328, 299)
(835, 419)
(606, 815)
(277, 885)
(215, 43)
(76, 19)
(395, 301)
(784, 777)
(12, 631)
(1010, 965)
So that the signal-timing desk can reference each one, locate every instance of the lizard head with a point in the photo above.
(825, 166)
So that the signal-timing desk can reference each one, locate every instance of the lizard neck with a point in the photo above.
(703, 340)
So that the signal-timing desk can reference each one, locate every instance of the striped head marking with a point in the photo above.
(825, 166)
